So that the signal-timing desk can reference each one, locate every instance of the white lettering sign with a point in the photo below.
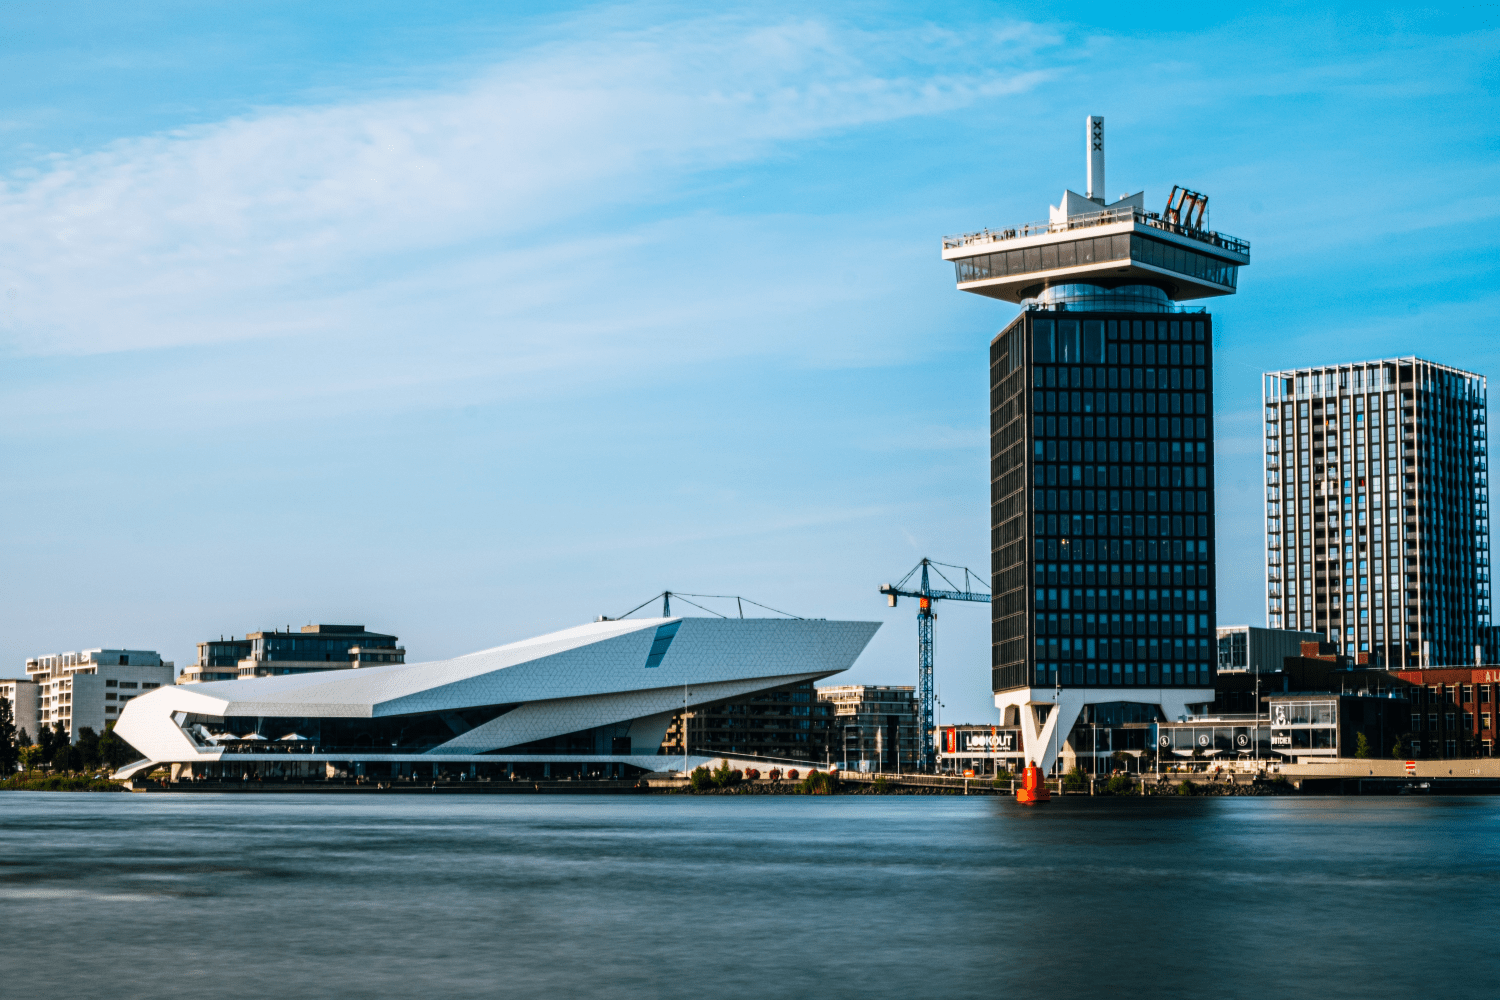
(990, 742)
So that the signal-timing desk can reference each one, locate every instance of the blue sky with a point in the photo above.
(466, 325)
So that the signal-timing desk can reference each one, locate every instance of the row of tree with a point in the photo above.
(52, 747)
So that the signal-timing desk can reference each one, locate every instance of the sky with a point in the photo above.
(467, 325)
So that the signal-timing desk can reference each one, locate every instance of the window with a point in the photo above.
(110, 696)
(127, 684)
(1468, 693)
(110, 684)
(1484, 694)
(1484, 720)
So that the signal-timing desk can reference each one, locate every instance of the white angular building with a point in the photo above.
(593, 699)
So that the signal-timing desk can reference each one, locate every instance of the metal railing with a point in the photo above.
(1104, 218)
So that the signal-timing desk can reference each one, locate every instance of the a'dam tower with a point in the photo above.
(1102, 460)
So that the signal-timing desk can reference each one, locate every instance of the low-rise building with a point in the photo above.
(1452, 710)
(875, 726)
(979, 748)
(276, 653)
(89, 689)
(1249, 649)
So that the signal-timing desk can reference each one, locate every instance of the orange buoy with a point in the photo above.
(1033, 789)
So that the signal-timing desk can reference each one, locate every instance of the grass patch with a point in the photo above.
(59, 783)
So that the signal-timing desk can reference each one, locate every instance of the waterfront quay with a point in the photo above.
(1327, 777)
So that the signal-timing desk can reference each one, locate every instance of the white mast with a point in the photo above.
(1094, 135)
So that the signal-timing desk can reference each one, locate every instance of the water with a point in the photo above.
(240, 896)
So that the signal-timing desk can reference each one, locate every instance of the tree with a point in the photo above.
(46, 740)
(701, 780)
(56, 745)
(115, 752)
(1362, 746)
(724, 776)
(88, 748)
(31, 756)
(8, 747)
(1398, 749)
(69, 758)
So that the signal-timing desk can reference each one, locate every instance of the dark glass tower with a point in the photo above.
(1102, 458)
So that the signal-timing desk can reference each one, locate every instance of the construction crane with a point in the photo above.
(925, 598)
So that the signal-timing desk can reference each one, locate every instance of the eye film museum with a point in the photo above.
(601, 696)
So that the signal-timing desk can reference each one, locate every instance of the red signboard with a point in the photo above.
(1411, 767)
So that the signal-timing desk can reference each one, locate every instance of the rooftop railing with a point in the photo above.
(1107, 217)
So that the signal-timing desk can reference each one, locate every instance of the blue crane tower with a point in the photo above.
(925, 615)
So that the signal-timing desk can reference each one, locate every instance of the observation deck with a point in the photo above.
(1122, 245)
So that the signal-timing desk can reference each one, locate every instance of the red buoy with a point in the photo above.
(1033, 789)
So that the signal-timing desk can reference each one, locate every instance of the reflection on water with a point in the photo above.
(203, 896)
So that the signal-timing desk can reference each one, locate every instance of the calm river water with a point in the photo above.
(238, 897)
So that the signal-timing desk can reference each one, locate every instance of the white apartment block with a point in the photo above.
(89, 689)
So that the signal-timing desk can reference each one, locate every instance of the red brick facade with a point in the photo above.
(1453, 713)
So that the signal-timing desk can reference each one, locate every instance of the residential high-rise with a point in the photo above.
(1102, 446)
(1377, 509)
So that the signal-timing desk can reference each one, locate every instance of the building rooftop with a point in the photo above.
(1384, 371)
(1090, 250)
(1103, 217)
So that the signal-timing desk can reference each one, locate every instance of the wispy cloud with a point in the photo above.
(300, 221)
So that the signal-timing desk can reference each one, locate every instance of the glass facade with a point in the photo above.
(1377, 509)
(784, 723)
(1102, 501)
(1076, 253)
(286, 646)
(414, 733)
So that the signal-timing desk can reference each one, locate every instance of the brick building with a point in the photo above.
(1452, 710)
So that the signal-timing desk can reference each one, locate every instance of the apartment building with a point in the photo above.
(875, 726)
(1377, 509)
(90, 688)
(311, 649)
